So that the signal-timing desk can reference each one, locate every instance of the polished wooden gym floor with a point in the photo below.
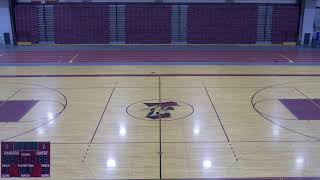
(216, 121)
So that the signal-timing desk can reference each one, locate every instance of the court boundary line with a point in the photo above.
(153, 75)
(234, 178)
(198, 142)
(225, 142)
(167, 87)
(286, 58)
(45, 123)
(160, 129)
(72, 60)
(221, 124)
(277, 123)
(103, 113)
(272, 116)
(10, 97)
(98, 125)
(125, 63)
(310, 99)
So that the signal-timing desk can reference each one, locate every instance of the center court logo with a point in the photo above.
(153, 110)
(157, 110)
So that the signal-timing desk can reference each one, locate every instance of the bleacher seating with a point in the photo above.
(77, 24)
(285, 27)
(222, 23)
(26, 23)
(148, 24)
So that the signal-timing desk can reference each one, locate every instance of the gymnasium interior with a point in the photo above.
(160, 89)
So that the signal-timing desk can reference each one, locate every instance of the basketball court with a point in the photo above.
(141, 122)
(160, 89)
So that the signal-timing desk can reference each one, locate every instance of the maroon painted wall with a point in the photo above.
(26, 23)
(77, 24)
(285, 26)
(222, 23)
(148, 24)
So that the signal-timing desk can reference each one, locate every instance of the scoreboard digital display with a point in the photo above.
(25, 159)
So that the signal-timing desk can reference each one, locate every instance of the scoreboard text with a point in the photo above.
(25, 159)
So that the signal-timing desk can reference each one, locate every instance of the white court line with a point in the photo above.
(285, 57)
(74, 57)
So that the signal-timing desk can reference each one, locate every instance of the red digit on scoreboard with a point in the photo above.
(25, 159)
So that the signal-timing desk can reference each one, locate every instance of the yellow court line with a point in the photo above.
(74, 57)
(285, 57)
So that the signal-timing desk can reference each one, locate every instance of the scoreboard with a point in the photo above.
(25, 159)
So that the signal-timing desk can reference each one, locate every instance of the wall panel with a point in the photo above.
(77, 24)
(285, 26)
(26, 23)
(148, 24)
(222, 23)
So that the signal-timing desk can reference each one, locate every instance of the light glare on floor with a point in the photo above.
(111, 163)
(50, 116)
(206, 164)
(122, 131)
(196, 131)
(40, 131)
(299, 160)
(275, 132)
